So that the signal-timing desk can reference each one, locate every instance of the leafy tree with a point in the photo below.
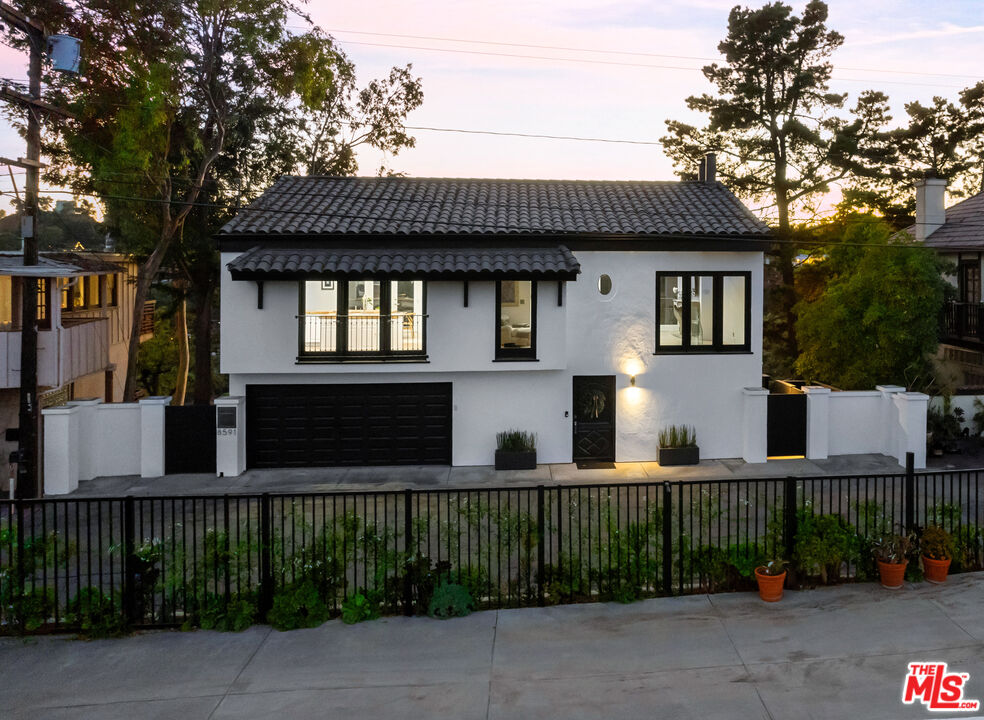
(875, 320)
(944, 139)
(270, 139)
(182, 104)
(153, 104)
(778, 132)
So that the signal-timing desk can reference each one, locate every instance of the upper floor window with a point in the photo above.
(362, 318)
(703, 312)
(515, 306)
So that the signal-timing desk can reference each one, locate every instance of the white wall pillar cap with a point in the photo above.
(60, 410)
(85, 402)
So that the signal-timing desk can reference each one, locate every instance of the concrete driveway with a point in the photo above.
(428, 477)
(828, 653)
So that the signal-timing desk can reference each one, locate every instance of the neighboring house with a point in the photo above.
(407, 321)
(957, 233)
(85, 305)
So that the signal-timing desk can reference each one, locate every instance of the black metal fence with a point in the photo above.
(172, 561)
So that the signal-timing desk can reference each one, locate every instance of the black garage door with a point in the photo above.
(324, 425)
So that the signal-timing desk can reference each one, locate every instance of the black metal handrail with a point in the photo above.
(354, 334)
(963, 321)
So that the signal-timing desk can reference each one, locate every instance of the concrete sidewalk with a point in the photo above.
(828, 653)
(428, 477)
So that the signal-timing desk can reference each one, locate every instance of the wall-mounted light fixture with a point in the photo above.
(632, 380)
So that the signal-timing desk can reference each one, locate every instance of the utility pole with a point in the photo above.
(27, 439)
(28, 450)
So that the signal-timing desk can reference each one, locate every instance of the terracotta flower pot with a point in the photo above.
(892, 574)
(936, 570)
(770, 586)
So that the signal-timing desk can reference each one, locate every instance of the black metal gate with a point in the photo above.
(786, 425)
(189, 439)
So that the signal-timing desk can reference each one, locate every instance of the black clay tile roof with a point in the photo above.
(964, 227)
(332, 206)
(556, 263)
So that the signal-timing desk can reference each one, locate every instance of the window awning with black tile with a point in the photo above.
(491, 263)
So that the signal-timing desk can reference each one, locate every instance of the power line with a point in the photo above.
(534, 135)
(624, 52)
(604, 62)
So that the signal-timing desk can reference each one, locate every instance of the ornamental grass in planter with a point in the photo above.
(937, 548)
(890, 551)
(515, 450)
(678, 446)
(771, 577)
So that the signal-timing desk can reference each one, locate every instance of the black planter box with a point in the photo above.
(679, 456)
(509, 460)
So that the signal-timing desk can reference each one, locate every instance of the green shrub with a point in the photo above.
(678, 436)
(30, 610)
(96, 614)
(360, 607)
(516, 441)
(450, 600)
(234, 615)
(937, 544)
(298, 605)
(823, 544)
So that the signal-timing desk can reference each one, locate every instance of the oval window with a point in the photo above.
(605, 284)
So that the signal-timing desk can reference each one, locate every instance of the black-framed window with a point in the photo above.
(970, 281)
(112, 290)
(703, 312)
(515, 320)
(362, 319)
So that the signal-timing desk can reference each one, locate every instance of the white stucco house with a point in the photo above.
(407, 321)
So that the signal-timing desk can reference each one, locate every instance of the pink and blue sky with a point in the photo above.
(909, 49)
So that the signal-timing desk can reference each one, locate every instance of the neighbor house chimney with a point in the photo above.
(710, 168)
(930, 212)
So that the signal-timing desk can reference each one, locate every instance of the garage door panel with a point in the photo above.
(348, 425)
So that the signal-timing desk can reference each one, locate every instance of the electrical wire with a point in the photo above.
(625, 52)
(609, 62)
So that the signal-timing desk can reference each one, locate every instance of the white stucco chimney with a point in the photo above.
(930, 212)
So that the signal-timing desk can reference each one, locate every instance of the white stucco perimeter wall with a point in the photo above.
(889, 421)
(88, 438)
(855, 422)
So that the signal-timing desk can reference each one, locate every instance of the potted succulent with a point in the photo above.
(678, 446)
(937, 548)
(770, 578)
(515, 450)
(890, 552)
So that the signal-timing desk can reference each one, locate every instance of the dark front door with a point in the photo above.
(189, 439)
(594, 418)
(786, 425)
(330, 425)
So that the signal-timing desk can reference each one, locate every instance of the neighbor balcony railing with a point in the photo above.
(963, 321)
(402, 334)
